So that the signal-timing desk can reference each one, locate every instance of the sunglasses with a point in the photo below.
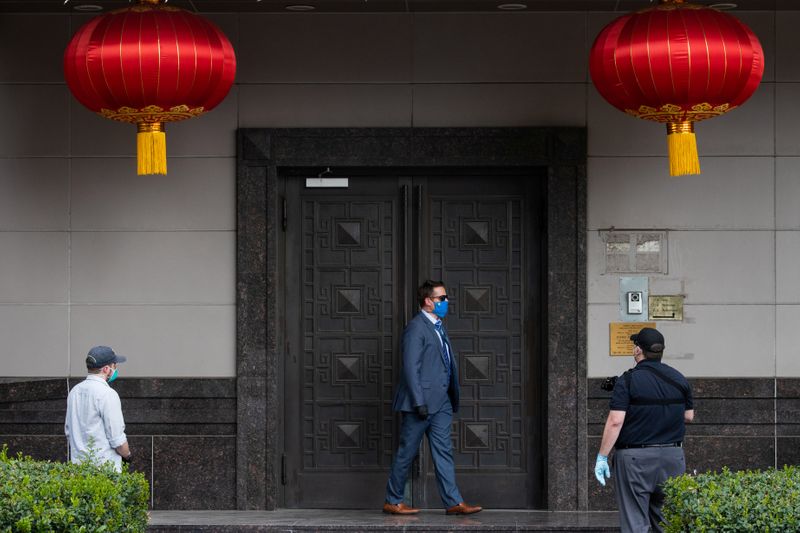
(442, 298)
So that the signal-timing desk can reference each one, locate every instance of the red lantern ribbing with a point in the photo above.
(677, 63)
(149, 64)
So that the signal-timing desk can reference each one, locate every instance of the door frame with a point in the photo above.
(263, 153)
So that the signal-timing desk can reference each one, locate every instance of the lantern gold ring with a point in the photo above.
(680, 127)
(149, 127)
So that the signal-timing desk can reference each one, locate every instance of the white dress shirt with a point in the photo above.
(433, 318)
(94, 412)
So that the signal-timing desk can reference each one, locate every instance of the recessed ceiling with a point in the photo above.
(379, 6)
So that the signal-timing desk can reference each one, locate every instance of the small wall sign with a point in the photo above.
(619, 336)
(666, 307)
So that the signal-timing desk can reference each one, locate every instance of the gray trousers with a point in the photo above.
(639, 474)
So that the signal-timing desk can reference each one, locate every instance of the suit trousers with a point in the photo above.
(438, 428)
(639, 474)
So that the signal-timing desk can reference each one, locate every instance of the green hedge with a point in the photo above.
(766, 502)
(39, 496)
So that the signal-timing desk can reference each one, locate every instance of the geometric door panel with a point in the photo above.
(341, 314)
(347, 328)
(481, 244)
(478, 249)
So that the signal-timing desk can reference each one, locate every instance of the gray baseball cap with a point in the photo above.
(100, 356)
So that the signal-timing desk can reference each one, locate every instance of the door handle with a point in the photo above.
(405, 262)
(421, 259)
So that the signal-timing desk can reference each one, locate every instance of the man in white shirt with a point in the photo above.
(94, 413)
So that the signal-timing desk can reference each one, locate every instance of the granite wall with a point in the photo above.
(182, 433)
(741, 423)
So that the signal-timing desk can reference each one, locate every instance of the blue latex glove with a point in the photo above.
(601, 471)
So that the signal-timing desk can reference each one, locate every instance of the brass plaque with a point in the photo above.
(619, 336)
(665, 307)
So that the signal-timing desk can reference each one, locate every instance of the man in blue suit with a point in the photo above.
(427, 396)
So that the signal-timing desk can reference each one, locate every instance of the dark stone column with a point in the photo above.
(566, 324)
(251, 326)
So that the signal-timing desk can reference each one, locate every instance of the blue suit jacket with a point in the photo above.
(424, 377)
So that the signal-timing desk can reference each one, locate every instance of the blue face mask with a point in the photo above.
(113, 376)
(440, 308)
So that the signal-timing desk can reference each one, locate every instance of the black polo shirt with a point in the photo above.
(654, 409)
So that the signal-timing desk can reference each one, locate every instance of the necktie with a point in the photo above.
(445, 344)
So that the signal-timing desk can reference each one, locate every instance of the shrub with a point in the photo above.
(39, 496)
(767, 501)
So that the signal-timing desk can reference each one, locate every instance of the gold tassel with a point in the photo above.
(151, 148)
(682, 146)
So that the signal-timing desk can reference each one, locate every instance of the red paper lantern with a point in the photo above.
(149, 64)
(677, 63)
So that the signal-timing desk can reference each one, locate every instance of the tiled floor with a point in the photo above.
(288, 520)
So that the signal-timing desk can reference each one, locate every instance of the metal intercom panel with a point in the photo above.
(633, 298)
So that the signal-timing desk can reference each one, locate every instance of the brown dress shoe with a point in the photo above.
(463, 508)
(398, 508)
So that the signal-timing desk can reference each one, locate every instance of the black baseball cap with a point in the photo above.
(100, 356)
(649, 340)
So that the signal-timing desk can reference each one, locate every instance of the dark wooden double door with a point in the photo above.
(354, 257)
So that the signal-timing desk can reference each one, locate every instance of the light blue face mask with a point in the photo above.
(113, 376)
(440, 308)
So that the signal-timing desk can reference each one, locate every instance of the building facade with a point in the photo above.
(261, 316)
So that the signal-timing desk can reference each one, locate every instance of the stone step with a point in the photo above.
(363, 521)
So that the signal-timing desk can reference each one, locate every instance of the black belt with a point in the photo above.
(631, 446)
